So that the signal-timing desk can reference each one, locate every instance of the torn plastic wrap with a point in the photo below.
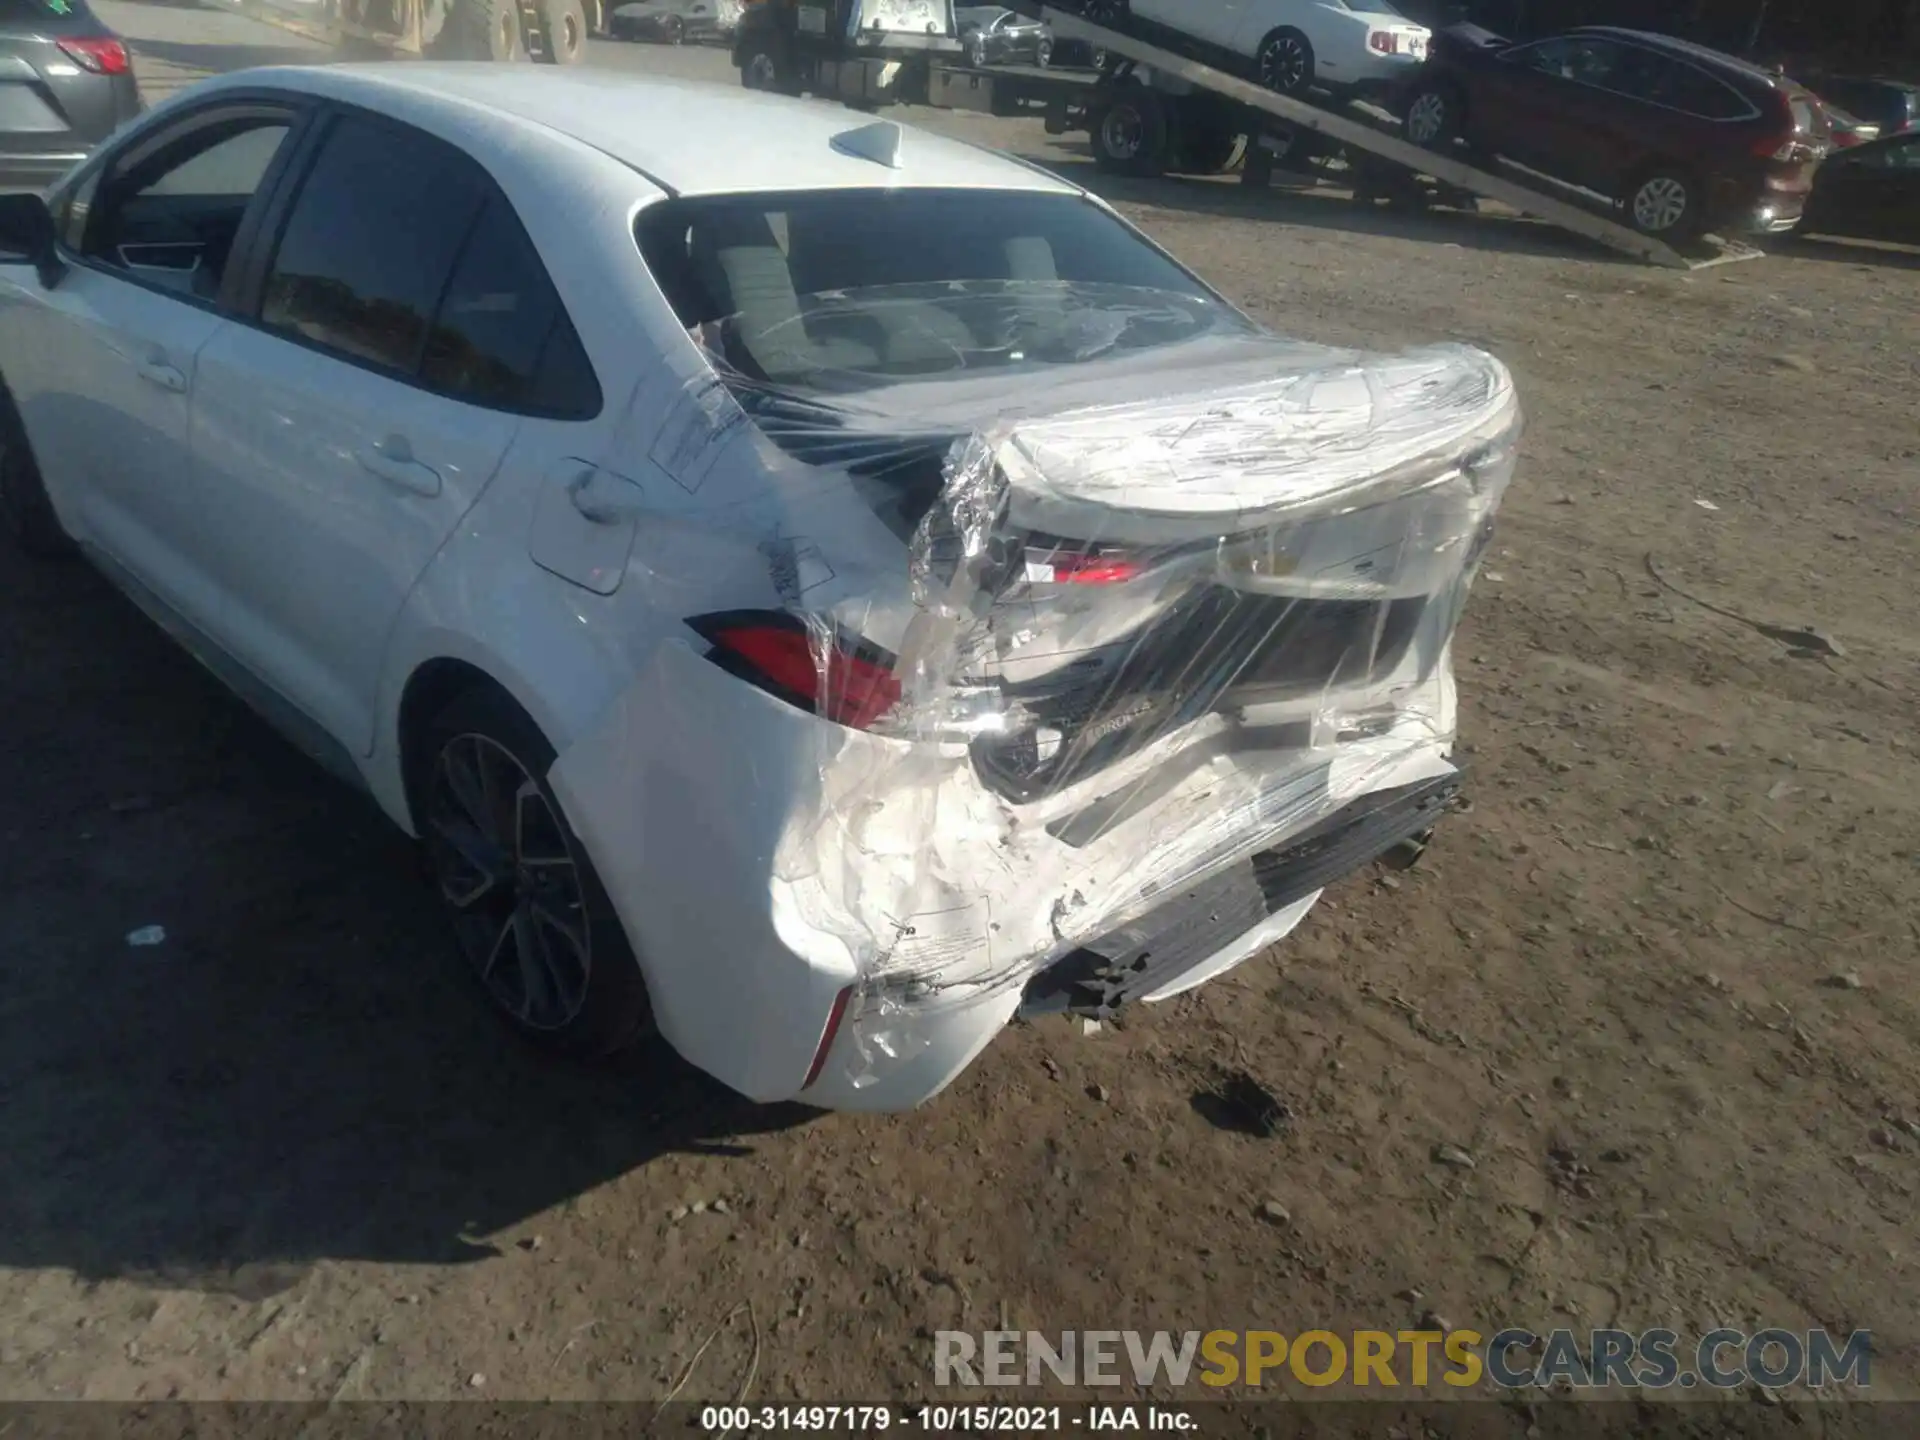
(1128, 636)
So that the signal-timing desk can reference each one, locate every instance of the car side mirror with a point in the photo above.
(27, 235)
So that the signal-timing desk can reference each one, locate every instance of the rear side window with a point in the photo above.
(371, 242)
(501, 337)
(1662, 80)
(401, 253)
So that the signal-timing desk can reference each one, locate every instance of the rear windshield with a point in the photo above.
(848, 289)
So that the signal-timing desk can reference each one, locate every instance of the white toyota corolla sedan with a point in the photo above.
(817, 589)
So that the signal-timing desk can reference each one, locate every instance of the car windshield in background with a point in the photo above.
(837, 291)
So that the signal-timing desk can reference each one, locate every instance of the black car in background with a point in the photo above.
(66, 83)
(1871, 192)
(994, 35)
(1893, 105)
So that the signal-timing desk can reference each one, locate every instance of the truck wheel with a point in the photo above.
(765, 67)
(1129, 133)
(1210, 151)
(566, 22)
(483, 30)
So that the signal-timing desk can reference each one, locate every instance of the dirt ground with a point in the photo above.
(1658, 980)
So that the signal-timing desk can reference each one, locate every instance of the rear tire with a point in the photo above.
(483, 30)
(25, 510)
(673, 30)
(1043, 54)
(1284, 62)
(1666, 202)
(566, 22)
(1433, 117)
(527, 909)
(1130, 134)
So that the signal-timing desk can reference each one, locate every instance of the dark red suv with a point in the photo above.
(1682, 138)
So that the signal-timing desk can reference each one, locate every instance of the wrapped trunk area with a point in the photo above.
(1166, 652)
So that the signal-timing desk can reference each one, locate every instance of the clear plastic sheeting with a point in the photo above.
(1107, 600)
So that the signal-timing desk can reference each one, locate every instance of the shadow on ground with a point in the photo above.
(300, 1071)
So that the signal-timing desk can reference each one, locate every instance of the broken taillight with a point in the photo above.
(1062, 565)
(812, 666)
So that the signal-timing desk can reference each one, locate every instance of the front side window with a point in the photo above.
(371, 242)
(849, 289)
(170, 216)
(1577, 58)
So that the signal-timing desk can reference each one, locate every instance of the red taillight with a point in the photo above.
(1074, 567)
(102, 57)
(834, 1017)
(1383, 41)
(850, 683)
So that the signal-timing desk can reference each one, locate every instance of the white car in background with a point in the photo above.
(1365, 46)
(818, 589)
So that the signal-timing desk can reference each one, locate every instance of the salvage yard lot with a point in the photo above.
(1656, 984)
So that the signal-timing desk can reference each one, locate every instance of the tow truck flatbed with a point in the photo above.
(1185, 112)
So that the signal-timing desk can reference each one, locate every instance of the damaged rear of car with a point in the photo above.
(1051, 632)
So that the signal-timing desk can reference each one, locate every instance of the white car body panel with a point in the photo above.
(1339, 35)
(312, 528)
(111, 381)
(764, 862)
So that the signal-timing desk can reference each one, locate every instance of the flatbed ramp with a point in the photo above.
(1359, 134)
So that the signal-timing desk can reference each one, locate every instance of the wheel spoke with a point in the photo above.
(509, 876)
(500, 943)
(537, 844)
(477, 854)
(572, 929)
(539, 989)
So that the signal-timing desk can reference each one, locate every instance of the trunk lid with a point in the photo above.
(1282, 541)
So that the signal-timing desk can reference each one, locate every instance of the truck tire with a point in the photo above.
(764, 65)
(483, 30)
(1130, 133)
(1209, 150)
(566, 25)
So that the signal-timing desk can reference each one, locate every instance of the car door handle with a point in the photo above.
(158, 370)
(392, 460)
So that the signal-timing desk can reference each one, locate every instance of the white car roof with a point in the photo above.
(693, 137)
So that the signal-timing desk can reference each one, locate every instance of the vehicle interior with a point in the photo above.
(172, 217)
